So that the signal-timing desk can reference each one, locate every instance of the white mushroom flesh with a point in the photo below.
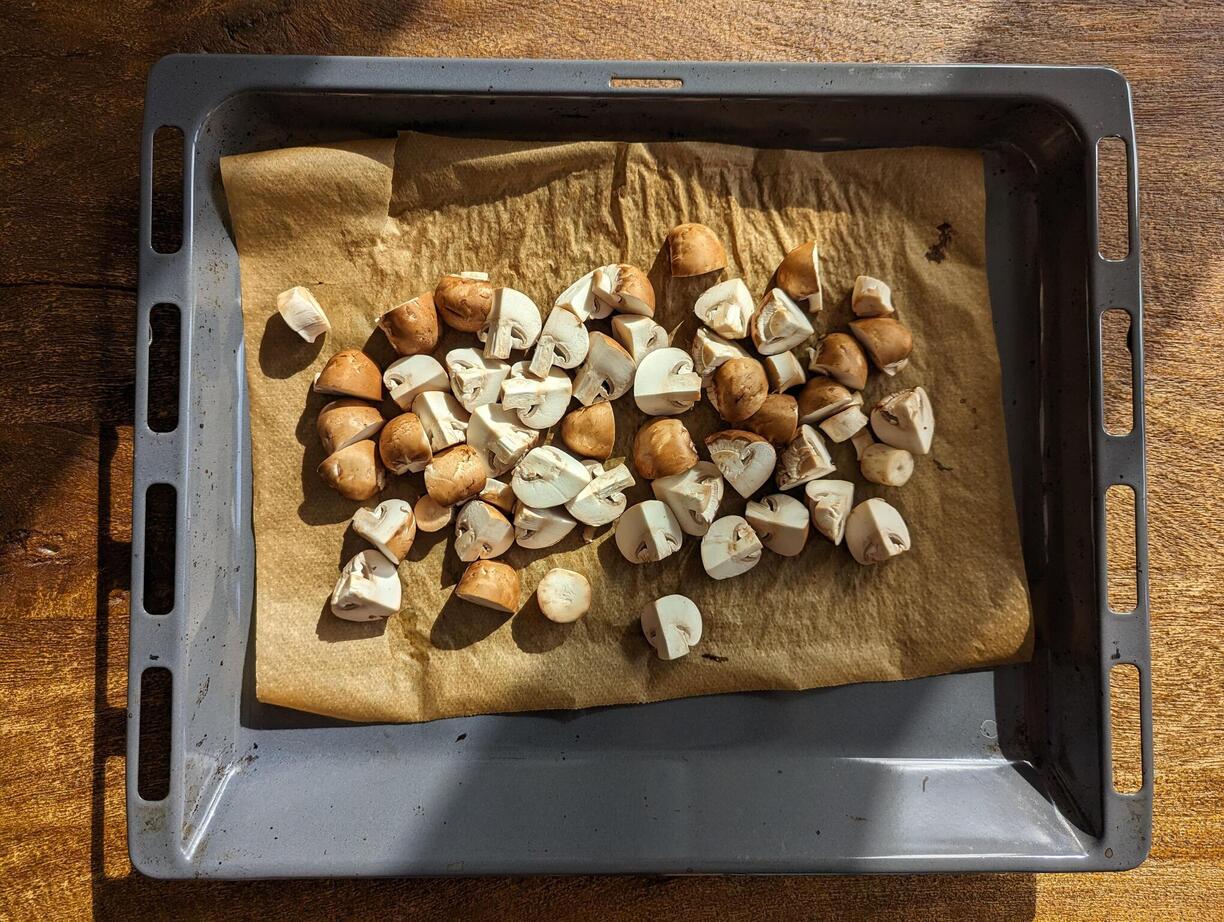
(500, 436)
(781, 522)
(905, 420)
(887, 466)
(730, 548)
(606, 283)
(540, 403)
(665, 383)
(548, 477)
(710, 350)
(563, 343)
(726, 308)
(779, 324)
(513, 323)
(875, 532)
(563, 595)
(390, 527)
(829, 503)
(540, 528)
(648, 532)
(871, 298)
(481, 532)
(606, 374)
(694, 495)
(804, 459)
(672, 625)
(784, 371)
(639, 335)
(499, 494)
(414, 374)
(368, 589)
(444, 420)
(475, 379)
(302, 313)
(603, 499)
(579, 298)
(844, 425)
(744, 463)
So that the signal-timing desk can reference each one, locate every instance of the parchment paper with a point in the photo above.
(367, 224)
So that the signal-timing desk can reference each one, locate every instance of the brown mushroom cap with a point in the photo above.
(797, 274)
(886, 340)
(738, 389)
(694, 250)
(404, 444)
(463, 303)
(490, 583)
(430, 516)
(354, 472)
(821, 397)
(590, 431)
(777, 420)
(632, 282)
(412, 327)
(663, 447)
(455, 475)
(343, 422)
(350, 373)
(840, 357)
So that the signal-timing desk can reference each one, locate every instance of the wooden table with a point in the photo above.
(73, 78)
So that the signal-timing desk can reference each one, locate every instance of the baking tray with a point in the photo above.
(1004, 769)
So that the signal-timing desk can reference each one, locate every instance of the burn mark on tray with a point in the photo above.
(714, 657)
(938, 250)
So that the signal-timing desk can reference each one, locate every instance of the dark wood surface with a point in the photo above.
(73, 75)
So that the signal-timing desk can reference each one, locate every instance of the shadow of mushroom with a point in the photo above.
(331, 629)
(461, 623)
(282, 352)
(534, 633)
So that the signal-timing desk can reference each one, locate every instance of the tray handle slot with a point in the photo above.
(626, 82)
(1113, 215)
(157, 516)
(1126, 747)
(153, 746)
(166, 203)
(1120, 549)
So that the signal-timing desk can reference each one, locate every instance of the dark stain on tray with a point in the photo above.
(938, 251)
(714, 657)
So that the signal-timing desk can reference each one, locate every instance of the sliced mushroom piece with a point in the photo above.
(875, 532)
(456, 475)
(843, 425)
(412, 327)
(590, 431)
(302, 313)
(607, 372)
(778, 419)
(738, 389)
(860, 440)
(887, 466)
(579, 298)
(477, 276)
(781, 522)
(672, 626)
(829, 503)
(626, 289)
(540, 403)
(840, 357)
(888, 342)
(513, 323)
(343, 422)
(779, 324)
(726, 308)
(404, 445)
(548, 477)
(693, 496)
(710, 351)
(475, 379)
(391, 527)
(563, 595)
(799, 275)
(444, 420)
(563, 342)
(481, 532)
(350, 373)
(540, 528)
(491, 584)
(694, 249)
(464, 302)
(665, 383)
(355, 472)
(663, 447)
(745, 459)
(500, 436)
(905, 420)
(804, 459)
(871, 298)
(498, 494)
(430, 516)
(730, 548)
(603, 499)
(783, 371)
(648, 532)
(368, 589)
(640, 336)
(821, 397)
(414, 374)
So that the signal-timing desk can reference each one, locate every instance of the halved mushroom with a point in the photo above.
(665, 383)
(603, 499)
(481, 532)
(875, 532)
(563, 342)
(412, 327)
(540, 528)
(391, 527)
(821, 397)
(463, 302)
(350, 373)
(887, 466)
(444, 420)
(745, 459)
(730, 548)
(302, 313)
(430, 516)
(625, 288)
(404, 445)
(777, 420)
(783, 371)
(648, 532)
(540, 403)
(491, 584)
(871, 298)
(368, 589)
(639, 335)
(799, 275)
(590, 431)
(860, 440)
(500, 436)
(663, 447)
(693, 249)
(513, 323)
(844, 424)
(498, 494)
(455, 475)
(726, 308)
(905, 420)
(414, 374)
(607, 372)
(888, 342)
(475, 379)
(672, 626)
(840, 357)
(693, 496)
(579, 298)
(778, 324)
(781, 522)
(829, 502)
(548, 477)
(738, 389)
(354, 472)
(804, 459)
(343, 422)
(710, 350)
(563, 595)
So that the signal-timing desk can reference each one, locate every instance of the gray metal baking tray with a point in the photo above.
(1005, 769)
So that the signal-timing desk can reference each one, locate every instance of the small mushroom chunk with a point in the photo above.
(302, 313)
(843, 425)
(354, 472)
(481, 532)
(860, 440)
(464, 302)
(491, 584)
(841, 358)
(888, 342)
(500, 437)
(799, 275)
(665, 383)
(414, 374)
(343, 422)
(412, 327)
(603, 499)
(905, 420)
(804, 459)
(579, 298)
(626, 289)
(726, 308)
(871, 298)
(590, 432)
(783, 371)
(430, 516)
(475, 379)
(781, 522)
(540, 528)
(672, 626)
(821, 397)
(350, 373)
(640, 336)
(563, 343)
(779, 324)
(404, 445)
(607, 372)
(648, 532)
(540, 403)
(875, 532)
(738, 389)
(710, 350)
(693, 249)
(887, 466)
(777, 420)
(391, 527)
(456, 475)
(444, 420)
(513, 323)
(829, 502)
(548, 477)
(498, 494)
(663, 447)
(693, 496)
(563, 595)
(368, 589)
(730, 548)
(744, 458)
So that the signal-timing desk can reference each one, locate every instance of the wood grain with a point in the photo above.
(73, 76)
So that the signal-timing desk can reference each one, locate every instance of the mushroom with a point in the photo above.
(887, 466)
(455, 475)
(781, 523)
(350, 373)
(563, 595)
(730, 548)
(477, 276)
(672, 626)
(860, 440)
(368, 589)
(590, 431)
(444, 420)
(804, 459)
(412, 327)
(498, 494)
(404, 445)
(821, 397)
(905, 420)
(694, 250)
(491, 584)
(648, 532)
(548, 477)
(414, 374)
(343, 422)
(579, 298)
(888, 342)
(871, 298)
(777, 420)
(640, 336)
(602, 500)
(744, 458)
(875, 531)
(726, 308)
(513, 323)
(709, 350)
(481, 532)
(799, 275)
(391, 527)
(783, 371)
(829, 503)
(693, 496)
(778, 324)
(355, 472)
(475, 379)
(563, 342)
(539, 403)
(738, 389)
(625, 288)
(302, 313)
(665, 383)
(607, 372)
(663, 447)
(430, 516)
(500, 437)
(540, 528)
(463, 302)
(841, 358)
(844, 424)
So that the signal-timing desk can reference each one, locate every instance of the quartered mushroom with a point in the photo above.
(500, 437)
(624, 288)
(672, 625)
(491, 584)
(404, 446)
(355, 472)
(391, 527)
(709, 350)
(412, 327)
(548, 477)
(694, 249)
(905, 420)
(738, 389)
(844, 424)
(563, 595)
(639, 335)
(464, 301)
(663, 447)
(540, 528)
(783, 371)
(871, 298)
(744, 458)
(539, 402)
(781, 522)
(829, 503)
(513, 323)
(799, 275)
(875, 532)
(730, 548)
(603, 499)
(648, 532)
(350, 373)
(579, 298)
(607, 372)
(665, 383)
(455, 475)
(821, 397)
(590, 431)
(887, 341)
(343, 422)
(839, 356)
(563, 342)
(445, 421)
(481, 532)
(302, 313)
(431, 517)
(778, 419)
(726, 308)
(499, 494)
(779, 324)
(887, 466)
(475, 378)
(368, 589)
(804, 459)
(413, 374)
(860, 440)
(693, 496)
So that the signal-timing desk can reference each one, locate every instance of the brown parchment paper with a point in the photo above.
(369, 223)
